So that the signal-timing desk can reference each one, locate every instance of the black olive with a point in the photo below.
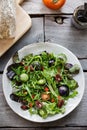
(18, 83)
(24, 102)
(37, 65)
(63, 90)
(46, 52)
(51, 62)
(68, 66)
(14, 97)
(10, 74)
(13, 66)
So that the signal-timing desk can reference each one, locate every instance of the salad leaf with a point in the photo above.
(41, 75)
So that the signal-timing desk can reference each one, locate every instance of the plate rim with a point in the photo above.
(36, 44)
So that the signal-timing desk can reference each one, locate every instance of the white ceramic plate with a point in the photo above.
(36, 49)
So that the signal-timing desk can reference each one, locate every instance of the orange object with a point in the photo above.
(30, 104)
(52, 100)
(46, 89)
(59, 97)
(54, 4)
(26, 67)
(45, 97)
(33, 96)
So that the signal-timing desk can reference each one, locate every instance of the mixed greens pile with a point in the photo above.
(43, 83)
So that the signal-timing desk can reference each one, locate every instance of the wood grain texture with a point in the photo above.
(48, 30)
(37, 7)
(77, 118)
(66, 34)
(34, 35)
(84, 64)
(54, 128)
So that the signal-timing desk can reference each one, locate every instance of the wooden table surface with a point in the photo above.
(45, 27)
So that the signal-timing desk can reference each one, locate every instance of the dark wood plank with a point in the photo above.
(17, 128)
(58, 128)
(76, 118)
(84, 64)
(66, 35)
(35, 34)
(0, 83)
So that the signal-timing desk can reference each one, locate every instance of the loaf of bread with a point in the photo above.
(7, 19)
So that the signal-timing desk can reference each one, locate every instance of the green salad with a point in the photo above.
(43, 83)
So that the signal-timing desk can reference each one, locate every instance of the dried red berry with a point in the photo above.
(31, 68)
(58, 78)
(38, 104)
(30, 104)
(24, 107)
(26, 67)
(60, 103)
